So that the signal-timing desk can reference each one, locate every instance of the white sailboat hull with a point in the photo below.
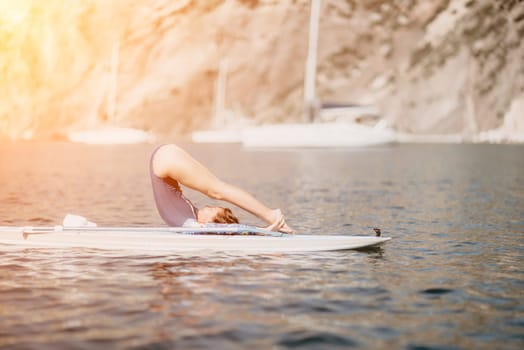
(217, 136)
(316, 135)
(110, 136)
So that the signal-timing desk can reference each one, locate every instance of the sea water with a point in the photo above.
(451, 278)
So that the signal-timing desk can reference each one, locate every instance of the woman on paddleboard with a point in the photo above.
(171, 166)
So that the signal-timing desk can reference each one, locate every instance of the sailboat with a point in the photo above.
(227, 127)
(324, 125)
(96, 135)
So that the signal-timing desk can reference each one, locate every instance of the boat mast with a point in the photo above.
(220, 115)
(310, 101)
(113, 81)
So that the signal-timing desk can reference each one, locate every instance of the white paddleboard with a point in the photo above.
(164, 242)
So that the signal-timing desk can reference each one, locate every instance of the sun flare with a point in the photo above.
(12, 13)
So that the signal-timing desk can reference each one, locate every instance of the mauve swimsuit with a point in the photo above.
(172, 206)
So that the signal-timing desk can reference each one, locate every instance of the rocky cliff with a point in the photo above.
(440, 66)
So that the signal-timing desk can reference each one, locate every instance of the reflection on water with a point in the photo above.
(451, 278)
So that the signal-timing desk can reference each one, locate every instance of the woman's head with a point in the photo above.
(217, 215)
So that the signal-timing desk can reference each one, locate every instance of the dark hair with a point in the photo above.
(225, 216)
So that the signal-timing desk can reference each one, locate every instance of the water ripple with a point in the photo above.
(451, 278)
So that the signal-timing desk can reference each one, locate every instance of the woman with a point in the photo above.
(170, 166)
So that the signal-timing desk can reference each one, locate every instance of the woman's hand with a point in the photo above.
(278, 223)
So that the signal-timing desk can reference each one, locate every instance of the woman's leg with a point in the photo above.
(174, 162)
